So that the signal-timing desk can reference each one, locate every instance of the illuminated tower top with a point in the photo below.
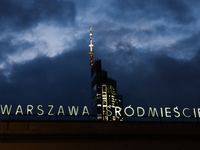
(104, 91)
(91, 45)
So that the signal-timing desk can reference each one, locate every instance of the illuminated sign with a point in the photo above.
(72, 110)
(128, 111)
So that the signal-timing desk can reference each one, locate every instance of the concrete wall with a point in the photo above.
(98, 135)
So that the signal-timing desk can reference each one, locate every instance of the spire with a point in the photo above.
(91, 45)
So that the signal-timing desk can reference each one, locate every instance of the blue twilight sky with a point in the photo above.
(151, 47)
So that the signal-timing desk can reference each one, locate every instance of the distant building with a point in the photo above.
(105, 100)
(104, 95)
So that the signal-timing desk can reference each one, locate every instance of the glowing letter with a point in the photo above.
(110, 112)
(117, 110)
(176, 111)
(153, 112)
(42, 111)
(29, 109)
(85, 110)
(5, 109)
(194, 113)
(143, 112)
(51, 107)
(19, 110)
(73, 110)
(161, 112)
(61, 110)
(167, 112)
(198, 112)
(129, 107)
(185, 114)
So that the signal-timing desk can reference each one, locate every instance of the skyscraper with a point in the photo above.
(105, 100)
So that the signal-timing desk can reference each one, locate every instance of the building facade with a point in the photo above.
(105, 100)
(76, 135)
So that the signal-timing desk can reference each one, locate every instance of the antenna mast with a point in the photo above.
(91, 45)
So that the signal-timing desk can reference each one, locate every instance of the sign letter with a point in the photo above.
(85, 110)
(61, 110)
(29, 109)
(42, 111)
(5, 109)
(167, 112)
(117, 110)
(19, 110)
(153, 112)
(138, 111)
(73, 110)
(185, 114)
(51, 107)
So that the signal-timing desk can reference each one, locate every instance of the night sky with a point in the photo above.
(151, 47)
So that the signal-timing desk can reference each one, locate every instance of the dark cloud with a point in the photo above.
(62, 80)
(20, 15)
(6, 47)
(179, 10)
(133, 11)
(160, 28)
(174, 41)
(185, 48)
(157, 80)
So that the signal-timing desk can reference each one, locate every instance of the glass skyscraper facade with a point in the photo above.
(105, 100)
